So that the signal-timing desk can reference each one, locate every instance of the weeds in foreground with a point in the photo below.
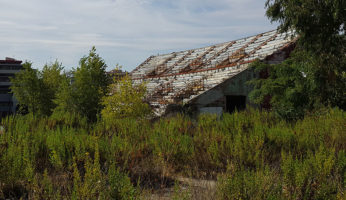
(253, 154)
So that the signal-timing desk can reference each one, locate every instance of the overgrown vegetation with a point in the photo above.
(82, 138)
(253, 154)
(314, 75)
(54, 91)
(35, 90)
(125, 100)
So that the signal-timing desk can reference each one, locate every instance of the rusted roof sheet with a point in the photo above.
(180, 76)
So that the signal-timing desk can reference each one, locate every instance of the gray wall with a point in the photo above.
(216, 97)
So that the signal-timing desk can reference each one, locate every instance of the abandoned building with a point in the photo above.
(8, 68)
(210, 79)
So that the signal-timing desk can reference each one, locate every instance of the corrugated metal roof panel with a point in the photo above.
(181, 76)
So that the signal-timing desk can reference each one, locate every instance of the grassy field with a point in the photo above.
(249, 155)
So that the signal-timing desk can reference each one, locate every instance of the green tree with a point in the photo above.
(64, 97)
(289, 84)
(27, 88)
(314, 75)
(52, 76)
(82, 93)
(320, 24)
(125, 100)
(37, 89)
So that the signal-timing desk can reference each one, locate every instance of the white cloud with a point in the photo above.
(123, 31)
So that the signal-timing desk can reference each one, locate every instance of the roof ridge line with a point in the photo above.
(218, 44)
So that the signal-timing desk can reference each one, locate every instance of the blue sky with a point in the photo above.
(124, 32)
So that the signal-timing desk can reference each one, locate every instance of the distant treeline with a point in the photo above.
(87, 91)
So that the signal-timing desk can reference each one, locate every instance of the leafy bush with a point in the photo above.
(125, 100)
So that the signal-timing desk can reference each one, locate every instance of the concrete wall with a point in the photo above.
(237, 85)
(216, 97)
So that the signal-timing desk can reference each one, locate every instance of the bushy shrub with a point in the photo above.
(125, 100)
(248, 184)
(316, 177)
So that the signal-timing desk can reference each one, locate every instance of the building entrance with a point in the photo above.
(234, 102)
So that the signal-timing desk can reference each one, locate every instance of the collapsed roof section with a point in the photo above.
(179, 77)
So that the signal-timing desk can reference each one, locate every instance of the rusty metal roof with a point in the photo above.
(171, 77)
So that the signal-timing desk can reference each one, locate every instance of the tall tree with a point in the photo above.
(37, 89)
(28, 88)
(52, 76)
(88, 85)
(314, 75)
(64, 97)
(319, 23)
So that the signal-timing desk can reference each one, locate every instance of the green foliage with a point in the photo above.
(300, 84)
(290, 88)
(171, 143)
(254, 154)
(125, 100)
(90, 84)
(64, 100)
(247, 184)
(84, 92)
(93, 183)
(312, 178)
(37, 89)
(43, 187)
(28, 88)
(120, 185)
(51, 91)
(314, 75)
(319, 23)
(52, 77)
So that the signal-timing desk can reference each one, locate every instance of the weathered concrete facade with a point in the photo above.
(8, 68)
(221, 96)
(210, 79)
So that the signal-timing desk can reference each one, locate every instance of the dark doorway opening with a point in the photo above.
(235, 102)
